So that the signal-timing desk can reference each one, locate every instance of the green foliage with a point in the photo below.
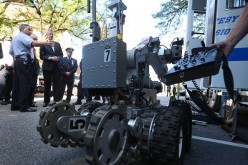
(171, 15)
(199, 24)
(4, 23)
(59, 15)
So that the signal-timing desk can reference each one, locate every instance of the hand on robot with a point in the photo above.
(225, 46)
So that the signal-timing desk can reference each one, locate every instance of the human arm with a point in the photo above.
(46, 53)
(39, 43)
(237, 33)
(75, 66)
(73, 69)
(59, 52)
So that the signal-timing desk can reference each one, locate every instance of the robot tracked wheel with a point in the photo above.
(106, 137)
(47, 126)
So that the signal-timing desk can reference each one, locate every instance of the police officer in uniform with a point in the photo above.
(68, 66)
(21, 50)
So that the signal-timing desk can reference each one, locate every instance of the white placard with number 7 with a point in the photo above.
(107, 55)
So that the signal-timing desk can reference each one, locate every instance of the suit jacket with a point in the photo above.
(66, 65)
(46, 52)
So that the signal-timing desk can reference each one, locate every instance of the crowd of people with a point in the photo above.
(18, 81)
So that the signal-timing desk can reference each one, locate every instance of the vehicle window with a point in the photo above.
(235, 4)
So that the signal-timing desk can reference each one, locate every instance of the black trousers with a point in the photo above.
(69, 85)
(33, 83)
(80, 92)
(51, 79)
(21, 84)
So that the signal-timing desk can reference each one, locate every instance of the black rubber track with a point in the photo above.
(181, 104)
(166, 136)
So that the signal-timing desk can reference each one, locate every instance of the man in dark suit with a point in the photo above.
(50, 56)
(68, 66)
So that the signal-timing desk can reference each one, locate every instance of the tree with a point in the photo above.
(59, 15)
(6, 27)
(171, 17)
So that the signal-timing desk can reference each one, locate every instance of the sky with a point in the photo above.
(139, 22)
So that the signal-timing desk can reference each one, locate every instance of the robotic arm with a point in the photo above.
(203, 62)
(150, 52)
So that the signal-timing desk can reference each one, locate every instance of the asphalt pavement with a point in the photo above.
(20, 143)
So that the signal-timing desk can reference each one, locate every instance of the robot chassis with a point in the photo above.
(133, 126)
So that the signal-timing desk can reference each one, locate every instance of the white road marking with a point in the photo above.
(220, 142)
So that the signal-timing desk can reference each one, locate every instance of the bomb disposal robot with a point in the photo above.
(133, 126)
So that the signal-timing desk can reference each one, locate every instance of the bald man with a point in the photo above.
(21, 50)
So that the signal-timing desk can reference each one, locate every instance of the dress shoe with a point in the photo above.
(77, 103)
(88, 100)
(33, 105)
(4, 103)
(45, 104)
(97, 98)
(14, 108)
(230, 122)
(52, 103)
(8, 101)
(66, 101)
(28, 110)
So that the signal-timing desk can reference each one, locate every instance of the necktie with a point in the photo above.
(34, 52)
(68, 63)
